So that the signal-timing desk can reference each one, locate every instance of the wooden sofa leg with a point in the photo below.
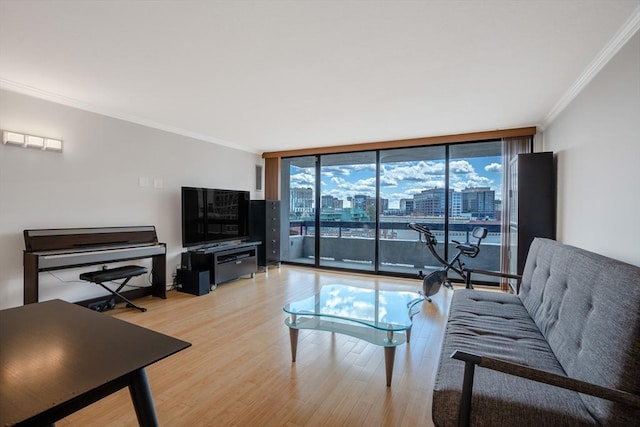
(464, 416)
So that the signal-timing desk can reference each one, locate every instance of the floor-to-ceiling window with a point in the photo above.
(361, 203)
(475, 183)
(412, 185)
(298, 209)
(348, 210)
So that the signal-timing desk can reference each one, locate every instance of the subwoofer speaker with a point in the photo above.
(194, 282)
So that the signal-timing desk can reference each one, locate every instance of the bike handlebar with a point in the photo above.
(423, 229)
(419, 227)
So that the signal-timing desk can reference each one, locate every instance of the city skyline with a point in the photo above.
(402, 180)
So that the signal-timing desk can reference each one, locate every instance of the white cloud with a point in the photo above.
(493, 167)
(364, 167)
(411, 171)
(302, 180)
(337, 170)
(388, 181)
(460, 167)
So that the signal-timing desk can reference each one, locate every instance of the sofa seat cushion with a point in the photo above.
(497, 325)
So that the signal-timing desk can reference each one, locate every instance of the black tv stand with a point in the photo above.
(224, 262)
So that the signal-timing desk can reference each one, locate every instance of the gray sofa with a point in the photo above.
(575, 323)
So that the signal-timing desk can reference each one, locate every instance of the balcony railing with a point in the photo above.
(351, 244)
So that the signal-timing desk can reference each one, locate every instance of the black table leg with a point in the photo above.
(142, 400)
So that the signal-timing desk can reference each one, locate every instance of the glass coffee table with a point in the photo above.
(381, 317)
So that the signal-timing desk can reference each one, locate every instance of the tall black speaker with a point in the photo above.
(533, 206)
(264, 226)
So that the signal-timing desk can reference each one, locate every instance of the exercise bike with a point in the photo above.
(431, 282)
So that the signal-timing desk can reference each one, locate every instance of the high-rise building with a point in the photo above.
(497, 209)
(479, 202)
(406, 205)
(360, 202)
(455, 204)
(431, 202)
(370, 204)
(330, 202)
(301, 201)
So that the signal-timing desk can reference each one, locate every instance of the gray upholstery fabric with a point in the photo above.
(578, 314)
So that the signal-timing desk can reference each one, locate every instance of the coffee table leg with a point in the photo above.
(389, 357)
(293, 334)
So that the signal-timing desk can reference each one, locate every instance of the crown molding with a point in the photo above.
(623, 35)
(74, 103)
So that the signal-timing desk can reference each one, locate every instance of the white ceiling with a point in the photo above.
(278, 75)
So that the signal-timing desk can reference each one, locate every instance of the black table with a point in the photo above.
(57, 357)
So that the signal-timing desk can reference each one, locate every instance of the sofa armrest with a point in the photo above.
(471, 360)
(469, 271)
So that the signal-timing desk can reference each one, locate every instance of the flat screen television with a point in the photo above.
(211, 216)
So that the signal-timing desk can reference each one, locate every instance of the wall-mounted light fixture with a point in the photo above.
(31, 141)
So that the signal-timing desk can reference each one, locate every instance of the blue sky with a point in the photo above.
(402, 179)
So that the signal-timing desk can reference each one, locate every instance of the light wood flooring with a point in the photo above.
(239, 372)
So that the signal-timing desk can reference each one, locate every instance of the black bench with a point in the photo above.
(109, 275)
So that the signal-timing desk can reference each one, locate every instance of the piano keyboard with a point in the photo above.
(76, 258)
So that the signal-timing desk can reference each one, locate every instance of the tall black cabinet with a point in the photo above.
(532, 211)
(264, 226)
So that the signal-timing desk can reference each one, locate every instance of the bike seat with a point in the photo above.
(468, 249)
(472, 249)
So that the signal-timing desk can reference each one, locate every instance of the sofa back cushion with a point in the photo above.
(587, 306)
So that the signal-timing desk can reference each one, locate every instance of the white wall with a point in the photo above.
(95, 182)
(597, 141)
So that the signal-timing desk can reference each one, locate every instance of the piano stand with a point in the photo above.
(127, 272)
